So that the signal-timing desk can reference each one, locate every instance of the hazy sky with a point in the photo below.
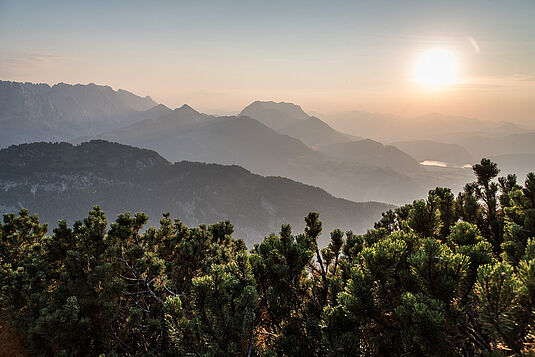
(327, 56)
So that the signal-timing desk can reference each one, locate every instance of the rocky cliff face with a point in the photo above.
(39, 112)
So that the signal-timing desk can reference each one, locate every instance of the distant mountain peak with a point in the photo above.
(510, 126)
(292, 110)
(272, 102)
(276, 115)
(159, 106)
(186, 108)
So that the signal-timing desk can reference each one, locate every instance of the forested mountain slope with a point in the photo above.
(62, 181)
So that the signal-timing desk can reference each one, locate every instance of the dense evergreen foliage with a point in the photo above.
(442, 276)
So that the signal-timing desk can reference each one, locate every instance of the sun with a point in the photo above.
(436, 68)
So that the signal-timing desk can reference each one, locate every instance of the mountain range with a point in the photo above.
(63, 181)
(373, 174)
(270, 138)
(436, 137)
(36, 112)
(291, 120)
(434, 126)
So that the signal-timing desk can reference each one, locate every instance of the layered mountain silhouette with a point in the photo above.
(436, 127)
(499, 145)
(190, 135)
(267, 138)
(314, 132)
(373, 153)
(454, 140)
(32, 112)
(275, 115)
(251, 144)
(291, 120)
(64, 181)
(428, 150)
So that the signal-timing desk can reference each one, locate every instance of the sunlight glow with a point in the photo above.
(436, 68)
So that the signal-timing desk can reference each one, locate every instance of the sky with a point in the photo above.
(327, 56)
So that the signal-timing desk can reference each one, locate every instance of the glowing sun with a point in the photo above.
(436, 68)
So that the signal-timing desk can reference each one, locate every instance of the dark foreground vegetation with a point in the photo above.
(443, 276)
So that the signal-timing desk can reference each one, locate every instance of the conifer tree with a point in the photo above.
(439, 277)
